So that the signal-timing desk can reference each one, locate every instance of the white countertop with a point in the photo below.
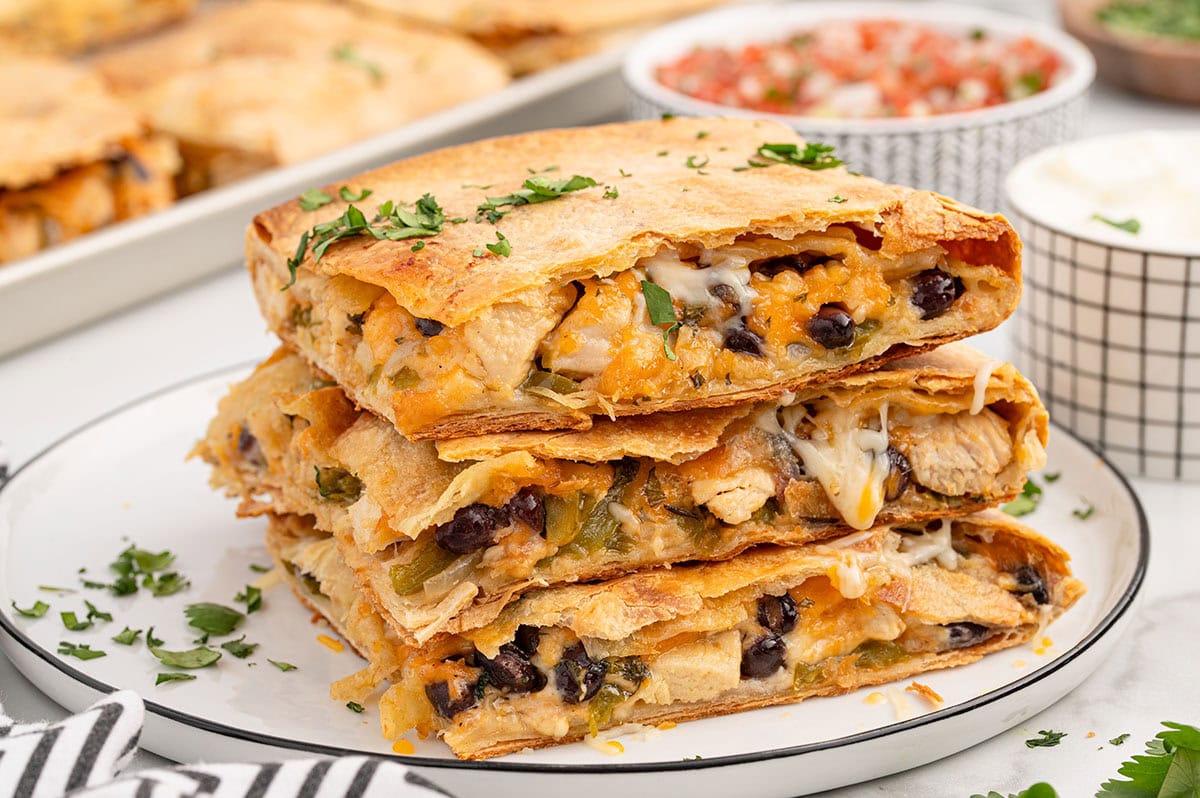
(47, 391)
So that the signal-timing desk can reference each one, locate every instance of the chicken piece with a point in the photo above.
(505, 337)
(955, 455)
(736, 497)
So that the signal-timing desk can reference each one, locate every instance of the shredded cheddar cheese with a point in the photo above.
(330, 643)
(403, 747)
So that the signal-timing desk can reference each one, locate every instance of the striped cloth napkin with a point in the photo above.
(84, 756)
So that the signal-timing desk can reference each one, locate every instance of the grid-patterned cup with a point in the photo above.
(1111, 337)
(963, 155)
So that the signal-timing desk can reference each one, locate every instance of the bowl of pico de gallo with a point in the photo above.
(936, 96)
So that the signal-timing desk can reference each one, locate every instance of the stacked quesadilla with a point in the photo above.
(674, 428)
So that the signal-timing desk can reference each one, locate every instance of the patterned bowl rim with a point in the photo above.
(1100, 237)
(744, 24)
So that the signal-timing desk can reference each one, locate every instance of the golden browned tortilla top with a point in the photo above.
(676, 184)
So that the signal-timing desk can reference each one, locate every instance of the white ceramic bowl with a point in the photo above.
(1109, 329)
(964, 155)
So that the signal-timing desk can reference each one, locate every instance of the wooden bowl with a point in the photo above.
(1160, 66)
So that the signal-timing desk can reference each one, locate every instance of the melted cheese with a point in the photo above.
(693, 286)
(930, 545)
(982, 377)
(847, 458)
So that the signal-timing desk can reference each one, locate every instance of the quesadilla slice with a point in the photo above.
(73, 157)
(772, 626)
(923, 438)
(63, 27)
(251, 85)
(634, 268)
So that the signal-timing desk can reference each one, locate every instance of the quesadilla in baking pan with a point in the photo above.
(73, 157)
(923, 438)
(772, 626)
(251, 85)
(633, 268)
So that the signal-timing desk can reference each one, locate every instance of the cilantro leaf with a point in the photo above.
(1085, 512)
(94, 614)
(349, 196)
(200, 657)
(611, 192)
(837, 199)
(1051, 478)
(283, 666)
(262, 569)
(391, 223)
(1039, 790)
(1048, 739)
(127, 636)
(354, 706)
(167, 584)
(534, 190)
(151, 640)
(1119, 739)
(36, 611)
(52, 589)
(662, 311)
(80, 652)
(313, 199)
(239, 648)
(1027, 502)
(1131, 225)
(72, 623)
(252, 597)
(173, 676)
(814, 156)
(502, 247)
(212, 618)
(693, 162)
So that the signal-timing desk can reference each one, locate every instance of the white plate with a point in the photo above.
(77, 282)
(123, 478)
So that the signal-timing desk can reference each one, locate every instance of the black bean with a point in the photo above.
(831, 327)
(249, 449)
(799, 262)
(934, 291)
(577, 676)
(527, 506)
(430, 327)
(449, 702)
(777, 613)
(472, 528)
(1031, 582)
(899, 472)
(727, 295)
(964, 634)
(527, 639)
(511, 671)
(763, 657)
(740, 339)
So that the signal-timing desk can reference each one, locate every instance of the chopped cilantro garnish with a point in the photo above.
(1052, 477)
(662, 311)
(262, 569)
(200, 657)
(1131, 225)
(1039, 790)
(72, 623)
(212, 618)
(667, 115)
(1085, 512)
(313, 199)
(52, 589)
(239, 648)
(814, 155)
(173, 676)
(151, 640)
(533, 171)
(837, 198)
(390, 222)
(354, 706)
(1027, 502)
(349, 196)
(127, 636)
(167, 584)
(348, 55)
(80, 651)
(694, 162)
(283, 666)
(610, 192)
(252, 597)
(1048, 739)
(417, 247)
(36, 611)
(502, 247)
(1170, 767)
(623, 173)
(703, 134)
(1119, 739)
(535, 190)
(94, 614)
(477, 252)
